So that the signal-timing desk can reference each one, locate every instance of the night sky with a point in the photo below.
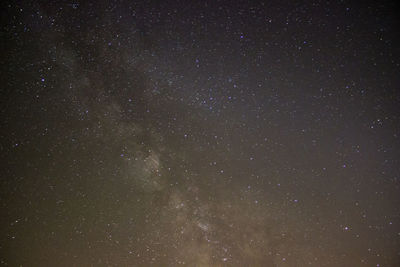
(200, 133)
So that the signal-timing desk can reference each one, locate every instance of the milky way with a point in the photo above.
(200, 133)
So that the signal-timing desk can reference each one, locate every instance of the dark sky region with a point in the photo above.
(200, 133)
